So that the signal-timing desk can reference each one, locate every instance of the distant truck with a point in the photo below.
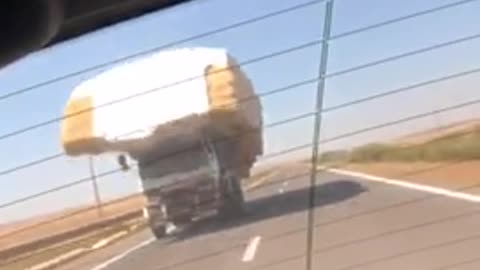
(189, 118)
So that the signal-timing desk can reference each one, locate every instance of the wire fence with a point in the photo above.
(315, 145)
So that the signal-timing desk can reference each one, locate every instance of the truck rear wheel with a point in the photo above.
(234, 201)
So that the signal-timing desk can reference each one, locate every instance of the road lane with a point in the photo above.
(359, 225)
(398, 237)
(222, 244)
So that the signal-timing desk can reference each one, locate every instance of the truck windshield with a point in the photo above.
(173, 163)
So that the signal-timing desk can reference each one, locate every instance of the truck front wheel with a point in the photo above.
(157, 221)
(159, 231)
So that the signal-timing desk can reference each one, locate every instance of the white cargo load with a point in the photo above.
(130, 101)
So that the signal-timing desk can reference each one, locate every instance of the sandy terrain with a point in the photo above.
(459, 175)
(454, 175)
(463, 175)
(43, 226)
(427, 135)
(24, 231)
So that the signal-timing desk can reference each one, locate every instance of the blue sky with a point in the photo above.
(278, 33)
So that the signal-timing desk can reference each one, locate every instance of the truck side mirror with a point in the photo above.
(122, 161)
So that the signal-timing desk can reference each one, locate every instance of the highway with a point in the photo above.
(359, 224)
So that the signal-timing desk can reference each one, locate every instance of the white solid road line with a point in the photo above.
(251, 249)
(123, 254)
(406, 184)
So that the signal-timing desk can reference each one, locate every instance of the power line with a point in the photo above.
(391, 206)
(414, 251)
(403, 120)
(164, 46)
(458, 264)
(298, 117)
(363, 213)
(219, 252)
(51, 190)
(286, 151)
(335, 221)
(402, 18)
(341, 136)
(291, 87)
(61, 154)
(401, 204)
(233, 26)
(292, 49)
(332, 222)
(153, 90)
(397, 205)
(405, 55)
(272, 155)
(49, 221)
(387, 258)
(110, 172)
(404, 148)
(282, 52)
(375, 211)
(405, 89)
(292, 149)
(397, 231)
(31, 163)
(353, 133)
(410, 173)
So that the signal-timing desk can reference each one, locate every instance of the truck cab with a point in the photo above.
(186, 184)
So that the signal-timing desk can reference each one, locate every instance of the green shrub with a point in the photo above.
(334, 156)
(457, 146)
(371, 152)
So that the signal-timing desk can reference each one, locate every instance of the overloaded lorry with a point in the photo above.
(189, 121)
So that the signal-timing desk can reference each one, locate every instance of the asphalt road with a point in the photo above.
(359, 225)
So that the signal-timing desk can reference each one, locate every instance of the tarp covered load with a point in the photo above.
(123, 108)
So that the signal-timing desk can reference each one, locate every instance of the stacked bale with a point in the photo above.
(129, 108)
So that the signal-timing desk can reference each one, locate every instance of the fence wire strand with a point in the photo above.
(338, 220)
(254, 60)
(458, 264)
(295, 118)
(234, 26)
(161, 47)
(80, 211)
(184, 150)
(153, 90)
(414, 251)
(315, 169)
(296, 148)
(279, 90)
(317, 225)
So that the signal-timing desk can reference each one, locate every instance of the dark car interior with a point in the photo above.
(31, 25)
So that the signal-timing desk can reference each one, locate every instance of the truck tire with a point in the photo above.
(157, 222)
(234, 201)
(159, 231)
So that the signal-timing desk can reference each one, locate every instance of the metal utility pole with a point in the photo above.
(96, 192)
(327, 25)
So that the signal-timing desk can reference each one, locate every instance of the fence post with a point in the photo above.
(327, 25)
(96, 193)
